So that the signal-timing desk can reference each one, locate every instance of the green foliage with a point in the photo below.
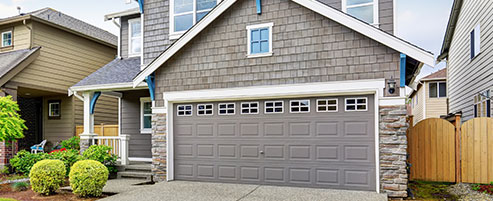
(426, 190)
(20, 186)
(46, 176)
(475, 187)
(7, 199)
(5, 170)
(72, 143)
(101, 153)
(88, 177)
(68, 157)
(11, 124)
(24, 161)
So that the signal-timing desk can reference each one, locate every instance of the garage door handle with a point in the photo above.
(261, 152)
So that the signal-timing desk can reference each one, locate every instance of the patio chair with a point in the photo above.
(38, 147)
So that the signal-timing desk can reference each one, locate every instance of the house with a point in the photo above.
(467, 51)
(429, 99)
(42, 54)
(277, 92)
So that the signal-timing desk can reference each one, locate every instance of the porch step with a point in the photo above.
(138, 168)
(135, 174)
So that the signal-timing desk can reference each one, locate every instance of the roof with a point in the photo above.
(53, 17)
(449, 33)
(11, 59)
(336, 15)
(132, 11)
(117, 71)
(437, 75)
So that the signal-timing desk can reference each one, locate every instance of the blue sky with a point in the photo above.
(421, 22)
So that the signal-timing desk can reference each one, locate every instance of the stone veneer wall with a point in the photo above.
(393, 150)
(159, 132)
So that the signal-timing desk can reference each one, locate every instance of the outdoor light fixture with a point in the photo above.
(391, 84)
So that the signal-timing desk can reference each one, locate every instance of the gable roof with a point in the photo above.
(441, 74)
(449, 34)
(59, 19)
(13, 59)
(314, 5)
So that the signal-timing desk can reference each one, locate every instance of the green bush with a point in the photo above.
(24, 161)
(20, 186)
(101, 153)
(46, 176)
(68, 157)
(88, 177)
(72, 143)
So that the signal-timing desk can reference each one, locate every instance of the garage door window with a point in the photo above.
(327, 105)
(249, 108)
(226, 109)
(299, 106)
(205, 109)
(184, 110)
(273, 107)
(356, 104)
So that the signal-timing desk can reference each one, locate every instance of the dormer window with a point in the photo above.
(185, 13)
(134, 37)
(366, 10)
(7, 39)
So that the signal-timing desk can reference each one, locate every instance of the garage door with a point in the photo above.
(326, 142)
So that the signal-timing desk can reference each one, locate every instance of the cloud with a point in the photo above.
(7, 10)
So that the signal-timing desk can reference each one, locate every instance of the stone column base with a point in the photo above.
(159, 145)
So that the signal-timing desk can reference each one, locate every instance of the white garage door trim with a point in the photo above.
(358, 87)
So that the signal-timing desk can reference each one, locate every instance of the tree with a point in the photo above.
(11, 124)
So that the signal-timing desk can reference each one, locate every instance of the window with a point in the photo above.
(260, 40)
(185, 13)
(205, 109)
(356, 104)
(249, 108)
(226, 109)
(437, 89)
(299, 106)
(135, 37)
(475, 41)
(327, 105)
(54, 109)
(184, 110)
(482, 104)
(274, 107)
(7, 39)
(145, 115)
(366, 10)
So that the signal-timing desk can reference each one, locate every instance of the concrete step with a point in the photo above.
(139, 168)
(134, 174)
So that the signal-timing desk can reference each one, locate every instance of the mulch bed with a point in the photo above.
(28, 195)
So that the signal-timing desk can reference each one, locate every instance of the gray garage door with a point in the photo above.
(326, 142)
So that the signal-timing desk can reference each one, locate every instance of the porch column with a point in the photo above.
(87, 137)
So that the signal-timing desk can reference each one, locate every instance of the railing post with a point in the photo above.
(458, 169)
(124, 149)
(86, 140)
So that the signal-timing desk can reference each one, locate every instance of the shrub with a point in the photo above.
(72, 143)
(23, 161)
(20, 186)
(11, 124)
(68, 157)
(101, 153)
(88, 177)
(46, 176)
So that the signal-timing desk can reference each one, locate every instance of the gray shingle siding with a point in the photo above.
(307, 48)
(156, 28)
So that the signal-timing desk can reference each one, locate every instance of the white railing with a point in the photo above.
(119, 144)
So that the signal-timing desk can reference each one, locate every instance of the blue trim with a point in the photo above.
(141, 5)
(151, 85)
(403, 70)
(94, 100)
(259, 7)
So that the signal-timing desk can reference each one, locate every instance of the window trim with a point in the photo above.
(356, 104)
(249, 28)
(11, 38)
(219, 109)
(59, 116)
(143, 130)
(274, 107)
(438, 89)
(184, 115)
(475, 41)
(484, 102)
(375, 3)
(300, 112)
(249, 107)
(212, 109)
(173, 35)
(130, 38)
(328, 99)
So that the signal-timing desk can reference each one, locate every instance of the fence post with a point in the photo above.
(458, 176)
(124, 149)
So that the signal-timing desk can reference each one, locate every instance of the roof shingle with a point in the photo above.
(117, 71)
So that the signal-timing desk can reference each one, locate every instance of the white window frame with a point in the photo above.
(249, 107)
(477, 41)
(184, 115)
(479, 102)
(290, 106)
(376, 18)
(274, 107)
(143, 130)
(438, 89)
(59, 103)
(249, 36)
(356, 104)
(130, 38)
(173, 35)
(205, 109)
(327, 104)
(11, 36)
(219, 108)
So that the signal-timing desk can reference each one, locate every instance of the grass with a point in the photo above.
(7, 199)
(424, 190)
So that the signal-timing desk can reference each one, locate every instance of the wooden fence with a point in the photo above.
(441, 151)
(101, 130)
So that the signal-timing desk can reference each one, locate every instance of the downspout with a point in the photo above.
(30, 34)
(119, 37)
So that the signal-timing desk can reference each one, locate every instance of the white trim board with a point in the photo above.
(139, 159)
(318, 7)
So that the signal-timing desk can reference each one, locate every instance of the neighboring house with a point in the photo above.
(468, 51)
(277, 92)
(429, 99)
(42, 54)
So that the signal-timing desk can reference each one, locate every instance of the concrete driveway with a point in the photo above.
(182, 190)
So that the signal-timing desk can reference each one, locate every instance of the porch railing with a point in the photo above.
(118, 143)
